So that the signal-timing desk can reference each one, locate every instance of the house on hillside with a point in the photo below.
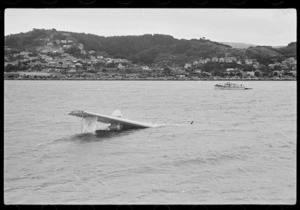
(248, 73)
(230, 59)
(255, 63)
(196, 72)
(7, 48)
(230, 69)
(80, 46)
(221, 60)
(50, 44)
(146, 68)
(294, 73)
(120, 66)
(207, 60)
(206, 74)
(63, 41)
(45, 51)
(126, 61)
(52, 63)
(195, 62)
(248, 61)
(271, 66)
(24, 53)
(215, 59)
(72, 71)
(256, 66)
(47, 70)
(77, 65)
(291, 60)
(66, 46)
(187, 65)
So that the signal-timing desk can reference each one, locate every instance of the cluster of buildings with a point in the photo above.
(288, 65)
(55, 59)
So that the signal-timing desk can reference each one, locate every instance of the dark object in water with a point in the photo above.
(192, 122)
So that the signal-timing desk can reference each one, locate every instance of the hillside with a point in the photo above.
(145, 49)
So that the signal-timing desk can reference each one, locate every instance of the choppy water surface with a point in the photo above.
(241, 147)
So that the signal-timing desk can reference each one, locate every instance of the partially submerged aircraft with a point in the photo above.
(117, 123)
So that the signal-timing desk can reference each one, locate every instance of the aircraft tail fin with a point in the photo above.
(117, 113)
(89, 124)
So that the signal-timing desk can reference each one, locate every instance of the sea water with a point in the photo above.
(210, 146)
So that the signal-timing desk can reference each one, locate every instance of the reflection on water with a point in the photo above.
(100, 135)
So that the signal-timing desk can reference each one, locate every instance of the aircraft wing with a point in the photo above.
(110, 119)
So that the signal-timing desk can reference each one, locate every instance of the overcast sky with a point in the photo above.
(253, 26)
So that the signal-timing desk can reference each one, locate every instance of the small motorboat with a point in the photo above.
(231, 86)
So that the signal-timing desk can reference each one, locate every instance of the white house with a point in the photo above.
(294, 73)
(250, 73)
(187, 65)
(120, 66)
(146, 68)
(248, 61)
(66, 46)
(197, 71)
(215, 59)
(271, 66)
(195, 62)
(230, 69)
(24, 53)
(80, 46)
(230, 59)
(72, 71)
(221, 60)
(207, 60)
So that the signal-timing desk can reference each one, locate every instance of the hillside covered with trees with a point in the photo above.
(147, 49)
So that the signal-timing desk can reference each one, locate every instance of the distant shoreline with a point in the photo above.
(55, 79)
